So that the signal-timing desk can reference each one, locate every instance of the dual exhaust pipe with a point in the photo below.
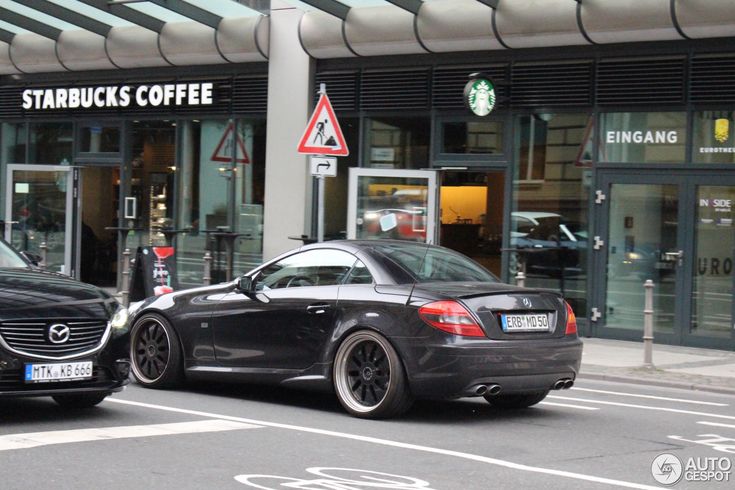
(493, 389)
(563, 384)
(482, 390)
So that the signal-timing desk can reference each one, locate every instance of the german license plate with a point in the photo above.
(525, 323)
(54, 372)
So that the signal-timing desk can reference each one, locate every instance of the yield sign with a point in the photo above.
(223, 152)
(323, 136)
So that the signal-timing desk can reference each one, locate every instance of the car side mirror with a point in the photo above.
(246, 285)
(34, 259)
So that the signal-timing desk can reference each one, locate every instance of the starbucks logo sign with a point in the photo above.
(479, 96)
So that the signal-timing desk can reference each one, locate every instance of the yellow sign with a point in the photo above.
(722, 130)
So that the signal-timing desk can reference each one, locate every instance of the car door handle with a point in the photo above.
(317, 309)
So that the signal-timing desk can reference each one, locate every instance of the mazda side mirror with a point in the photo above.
(34, 259)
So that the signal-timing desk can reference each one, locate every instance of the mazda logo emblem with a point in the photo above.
(526, 302)
(59, 333)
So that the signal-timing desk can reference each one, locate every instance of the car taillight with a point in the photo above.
(451, 317)
(571, 320)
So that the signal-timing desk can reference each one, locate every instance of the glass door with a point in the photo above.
(678, 232)
(398, 204)
(641, 240)
(39, 210)
(713, 243)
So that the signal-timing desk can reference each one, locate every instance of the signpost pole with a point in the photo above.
(320, 209)
(323, 140)
(320, 190)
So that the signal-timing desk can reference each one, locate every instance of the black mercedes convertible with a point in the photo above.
(379, 322)
(59, 337)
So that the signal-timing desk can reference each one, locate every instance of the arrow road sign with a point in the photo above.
(323, 166)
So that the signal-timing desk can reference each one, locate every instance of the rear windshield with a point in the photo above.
(427, 263)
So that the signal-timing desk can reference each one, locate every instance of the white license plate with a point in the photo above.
(525, 323)
(62, 371)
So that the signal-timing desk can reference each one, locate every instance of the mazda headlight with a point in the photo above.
(119, 320)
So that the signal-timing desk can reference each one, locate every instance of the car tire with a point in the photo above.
(155, 352)
(369, 377)
(520, 400)
(82, 400)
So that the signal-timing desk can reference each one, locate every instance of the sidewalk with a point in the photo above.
(681, 367)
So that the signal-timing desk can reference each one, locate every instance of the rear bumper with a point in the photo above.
(455, 370)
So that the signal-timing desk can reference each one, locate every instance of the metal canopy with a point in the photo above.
(333, 7)
(490, 3)
(129, 14)
(30, 24)
(412, 6)
(68, 15)
(191, 11)
(6, 36)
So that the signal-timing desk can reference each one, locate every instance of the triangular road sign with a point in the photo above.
(223, 152)
(323, 136)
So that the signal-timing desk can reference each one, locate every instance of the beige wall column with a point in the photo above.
(290, 98)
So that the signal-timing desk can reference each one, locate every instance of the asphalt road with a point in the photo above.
(596, 435)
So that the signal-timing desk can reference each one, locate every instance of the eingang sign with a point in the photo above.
(112, 96)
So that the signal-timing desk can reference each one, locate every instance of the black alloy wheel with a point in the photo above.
(369, 377)
(155, 352)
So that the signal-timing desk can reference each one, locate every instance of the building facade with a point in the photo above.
(606, 161)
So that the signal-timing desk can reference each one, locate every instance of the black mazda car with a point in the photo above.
(59, 337)
(379, 322)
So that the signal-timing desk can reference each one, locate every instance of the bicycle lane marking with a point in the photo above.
(389, 443)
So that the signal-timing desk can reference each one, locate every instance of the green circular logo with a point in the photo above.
(479, 95)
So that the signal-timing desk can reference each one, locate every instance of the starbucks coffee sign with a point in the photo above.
(113, 96)
(479, 95)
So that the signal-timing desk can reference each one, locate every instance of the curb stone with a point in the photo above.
(726, 390)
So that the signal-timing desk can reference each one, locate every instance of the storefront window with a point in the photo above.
(249, 194)
(714, 137)
(335, 188)
(471, 221)
(398, 142)
(100, 139)
(549, 221)
(472, 137)
(643, 137)
(51, 143)
(13, 143)
(219, 198)
(714, 239)
(153, 170)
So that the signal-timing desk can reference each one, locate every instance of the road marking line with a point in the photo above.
(35, 439)
(644, 407)
(580, 407)
(715, 424)
(402, 445)
(636, 395)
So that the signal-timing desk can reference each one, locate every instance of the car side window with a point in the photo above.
(359, 274)
(325, 267)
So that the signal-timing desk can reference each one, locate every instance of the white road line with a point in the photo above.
(579, 407)
(643, 407)
(636, 395)
(715, 424)
(402, 445)
(35, 439)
